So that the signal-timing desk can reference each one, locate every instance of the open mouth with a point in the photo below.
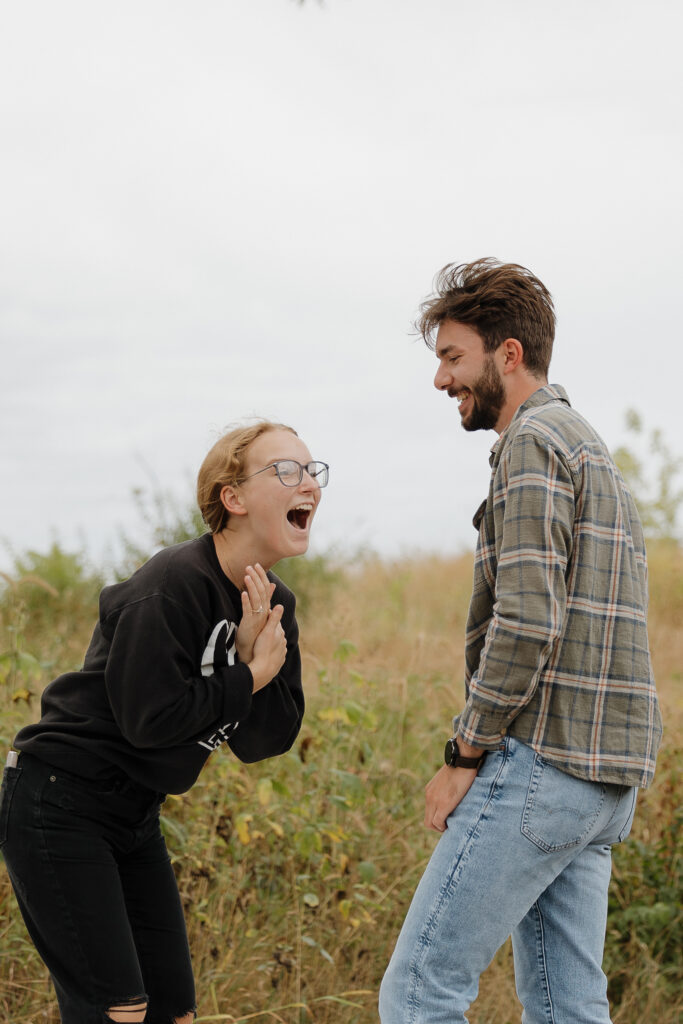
(462, 397)
(300, 515)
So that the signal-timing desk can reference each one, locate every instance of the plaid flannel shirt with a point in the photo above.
(557, 649)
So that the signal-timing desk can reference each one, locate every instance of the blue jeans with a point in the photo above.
(96, 889)
(526, 853)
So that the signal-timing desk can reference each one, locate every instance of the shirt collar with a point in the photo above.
(542, 396)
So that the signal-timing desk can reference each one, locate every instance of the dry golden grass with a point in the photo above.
(296, 873)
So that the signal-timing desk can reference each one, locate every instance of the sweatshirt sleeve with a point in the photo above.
(534, 516)
(276, 709)
(158, 695)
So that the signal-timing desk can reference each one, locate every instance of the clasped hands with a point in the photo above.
(260, 639)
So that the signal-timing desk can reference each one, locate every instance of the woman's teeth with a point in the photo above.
(298, 516)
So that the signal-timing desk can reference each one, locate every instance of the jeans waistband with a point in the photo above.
(118, 784)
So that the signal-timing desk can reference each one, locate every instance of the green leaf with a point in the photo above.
(344, 650)
(367, 871)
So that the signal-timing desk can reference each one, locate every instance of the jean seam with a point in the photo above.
(424, 941)
(543, 964)
(68, 919)
(10, 778)
(626, 827)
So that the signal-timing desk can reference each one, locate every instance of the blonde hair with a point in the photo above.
(224, 466)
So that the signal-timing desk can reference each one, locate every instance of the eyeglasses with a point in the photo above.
(291, 473)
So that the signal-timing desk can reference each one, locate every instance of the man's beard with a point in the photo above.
(488, 398)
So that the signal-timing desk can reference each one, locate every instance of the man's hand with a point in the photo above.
(444, 793)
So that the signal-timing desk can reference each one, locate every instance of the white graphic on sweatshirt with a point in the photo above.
(217, 654)
(220, 736)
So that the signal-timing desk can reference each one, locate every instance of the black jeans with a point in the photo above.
(95, 886)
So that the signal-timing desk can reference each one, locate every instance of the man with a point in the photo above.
(561, 722)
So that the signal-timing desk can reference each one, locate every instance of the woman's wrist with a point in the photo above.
(259, 672)
(244, 654)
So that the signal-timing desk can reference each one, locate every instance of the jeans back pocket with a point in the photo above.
(10, 777)
(560, 809)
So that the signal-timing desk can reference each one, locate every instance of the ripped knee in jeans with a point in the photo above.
(130, 1011)
(133, 1011)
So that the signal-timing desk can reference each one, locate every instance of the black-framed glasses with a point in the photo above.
(291, 473)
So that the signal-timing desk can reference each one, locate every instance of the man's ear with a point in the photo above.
(232, 501)
(513, 354)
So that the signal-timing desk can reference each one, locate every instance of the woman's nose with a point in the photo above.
(308, 482)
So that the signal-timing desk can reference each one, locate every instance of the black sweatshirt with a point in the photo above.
(161, 686)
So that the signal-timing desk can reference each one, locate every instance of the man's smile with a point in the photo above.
(460, 394)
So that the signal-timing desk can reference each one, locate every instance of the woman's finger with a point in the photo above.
(265, 587)
(262, 575)
(274, 618)
(260, 586)
(254, 593)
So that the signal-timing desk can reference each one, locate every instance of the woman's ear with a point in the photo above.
(232, 501)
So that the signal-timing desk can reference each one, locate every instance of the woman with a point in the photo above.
(199, 647)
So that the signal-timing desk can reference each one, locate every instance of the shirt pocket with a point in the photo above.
(560, 810)
(10, 777)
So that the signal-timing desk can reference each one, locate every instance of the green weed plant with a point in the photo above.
(296, 873)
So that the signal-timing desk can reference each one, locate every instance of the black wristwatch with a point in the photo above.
(454, 759)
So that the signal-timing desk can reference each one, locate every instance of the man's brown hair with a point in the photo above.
(499, 300)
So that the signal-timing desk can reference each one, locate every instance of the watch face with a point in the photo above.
(451, 752)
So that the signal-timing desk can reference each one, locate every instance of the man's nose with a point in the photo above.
(442, 378)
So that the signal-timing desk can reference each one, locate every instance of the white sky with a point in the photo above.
(216, 209)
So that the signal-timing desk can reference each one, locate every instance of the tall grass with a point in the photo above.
(296, 873)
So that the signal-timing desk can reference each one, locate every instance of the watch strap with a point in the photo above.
(454, 759)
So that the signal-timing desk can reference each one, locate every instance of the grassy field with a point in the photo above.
(296, 873)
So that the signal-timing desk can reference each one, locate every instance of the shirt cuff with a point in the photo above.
(471, 729)
(238, 687)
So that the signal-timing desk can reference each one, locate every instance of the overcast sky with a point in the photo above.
(217, 209)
